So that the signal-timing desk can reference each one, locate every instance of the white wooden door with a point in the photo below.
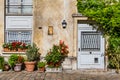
(90, 48)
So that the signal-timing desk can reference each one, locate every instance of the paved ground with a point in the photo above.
(65, 75)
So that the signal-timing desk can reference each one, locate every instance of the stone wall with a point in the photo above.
(47, 13)
(1, 24)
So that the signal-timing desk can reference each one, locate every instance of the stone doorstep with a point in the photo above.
(53, 69)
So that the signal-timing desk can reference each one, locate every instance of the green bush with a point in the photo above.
(1, 62)
(114, 52)
(41, 64)
(12, 60)
(57, 54)
(32, 53)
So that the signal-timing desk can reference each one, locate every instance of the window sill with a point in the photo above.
(13, 52)
(10, 53)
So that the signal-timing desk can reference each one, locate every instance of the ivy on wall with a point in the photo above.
(106, 13)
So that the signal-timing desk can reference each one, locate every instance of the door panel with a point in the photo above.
(91, 47)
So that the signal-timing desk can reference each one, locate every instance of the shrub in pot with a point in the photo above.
(41, 66)
(16, 61)
(56, 55)
(12, 60)
(32, 56)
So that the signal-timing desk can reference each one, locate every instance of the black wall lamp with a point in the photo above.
(64, 24)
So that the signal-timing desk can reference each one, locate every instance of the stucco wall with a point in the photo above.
(51, 13)
(1, 24)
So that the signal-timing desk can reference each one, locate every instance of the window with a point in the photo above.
(20, 36)
(18, 27)
(18, 7)
(90, 41)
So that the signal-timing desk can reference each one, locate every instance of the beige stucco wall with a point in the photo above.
(51, 13)
(47, 13)
(1, 24)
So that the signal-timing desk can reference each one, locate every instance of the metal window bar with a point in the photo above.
(90, 41)
(22, 36)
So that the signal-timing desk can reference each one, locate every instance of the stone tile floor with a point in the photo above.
(65, 75)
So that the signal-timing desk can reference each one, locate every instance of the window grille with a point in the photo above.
(21, 36)
(90, 41)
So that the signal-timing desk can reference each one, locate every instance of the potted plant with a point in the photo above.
(41, 66)
(23, 47)
(5, 47)
(12, 60)
(6, 66)
(53, 57)
(18, 64)
(32, 56)
(1, 63)
(15, 46)
(16, 61)
(56, 55)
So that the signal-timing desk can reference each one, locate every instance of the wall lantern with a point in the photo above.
(64, 24)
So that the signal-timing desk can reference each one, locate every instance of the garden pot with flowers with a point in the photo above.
(56, 55)
(15, 46)
(16, 62)
(6, 47)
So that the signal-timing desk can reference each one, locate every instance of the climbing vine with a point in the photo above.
(106, 13)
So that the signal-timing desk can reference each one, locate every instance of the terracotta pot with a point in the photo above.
(13, 50)
(30, 66)
(18, 67)
(41, 69)
(6, 67)
(6, 50)
(58, 64)
(21, 50)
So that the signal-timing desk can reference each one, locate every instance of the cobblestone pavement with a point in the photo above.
(65, 75)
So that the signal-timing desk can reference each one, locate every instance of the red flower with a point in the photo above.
(66, 46)
(24, 44)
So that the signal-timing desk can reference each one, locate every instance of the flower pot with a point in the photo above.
(6, 50)
(30, 66)
(42, 69)
(18, 67)
(58, 64)
(6, 67)
(12, 50)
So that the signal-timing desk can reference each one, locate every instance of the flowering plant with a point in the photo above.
(15, 59)
(63, 48)
(57, 54)
(15, 46)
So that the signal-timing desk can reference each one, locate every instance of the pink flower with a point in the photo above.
(61, 42)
